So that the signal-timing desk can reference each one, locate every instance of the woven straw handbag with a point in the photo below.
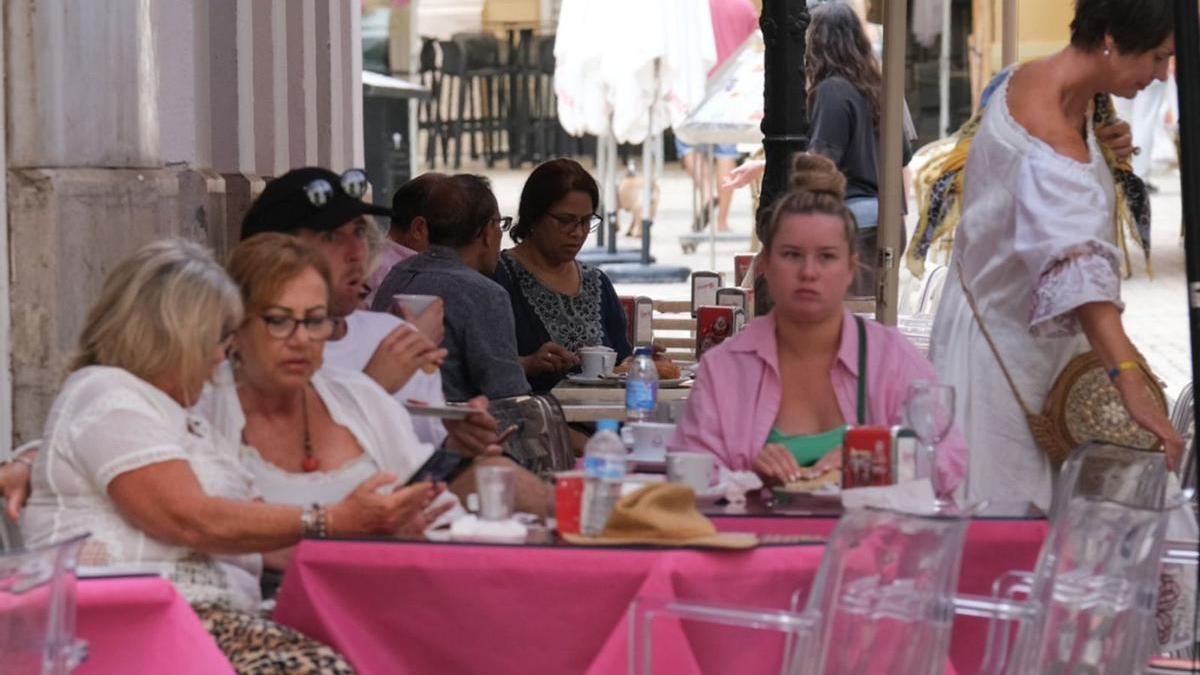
(1082, 404)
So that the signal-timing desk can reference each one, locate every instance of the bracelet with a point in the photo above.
(1120, 368)
(314, 522)
(18, 459)
(322, 521)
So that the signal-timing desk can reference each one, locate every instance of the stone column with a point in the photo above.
(87, 179)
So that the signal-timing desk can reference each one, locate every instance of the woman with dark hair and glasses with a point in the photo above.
(560, 305)
(1036, 279)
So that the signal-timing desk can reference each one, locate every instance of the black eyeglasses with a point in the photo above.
(353, 181)
(504, 221)
(569, 223)
(283, 326)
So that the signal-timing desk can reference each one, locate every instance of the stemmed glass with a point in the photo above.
(929, 412)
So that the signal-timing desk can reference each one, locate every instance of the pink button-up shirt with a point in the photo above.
(738, 390)
(391, 254)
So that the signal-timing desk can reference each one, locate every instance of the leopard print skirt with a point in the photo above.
(255, 645)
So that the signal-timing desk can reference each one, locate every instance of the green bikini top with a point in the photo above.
(808, 448)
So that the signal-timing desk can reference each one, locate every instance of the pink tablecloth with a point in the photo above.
(141, 625)
(394, 607)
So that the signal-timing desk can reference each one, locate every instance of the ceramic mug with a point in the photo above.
(597, 361)
(650, 440)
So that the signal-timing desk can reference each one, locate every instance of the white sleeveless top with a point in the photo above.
(106, 422)
(382, 427)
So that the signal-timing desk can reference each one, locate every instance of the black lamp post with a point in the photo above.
(785, 113)
(785, 109)
(1187, 77)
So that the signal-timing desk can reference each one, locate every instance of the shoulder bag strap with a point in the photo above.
(862, 369)
(988, 336)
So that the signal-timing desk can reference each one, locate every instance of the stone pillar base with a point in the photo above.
(68, 229)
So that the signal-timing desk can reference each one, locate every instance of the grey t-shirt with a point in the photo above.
(843, 129)
(480, 337)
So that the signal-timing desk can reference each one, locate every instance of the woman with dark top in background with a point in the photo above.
(845, 91)
(560, 305)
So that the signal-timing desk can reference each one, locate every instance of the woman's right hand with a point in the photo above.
(745, 174)
(1144, 410)
(366, 511)
(551, 357)
(775, 465)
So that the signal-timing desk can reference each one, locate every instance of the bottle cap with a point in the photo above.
(643, 351)
(608, 425)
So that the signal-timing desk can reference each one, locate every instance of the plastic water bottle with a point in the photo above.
(603, 468)
(641, 387)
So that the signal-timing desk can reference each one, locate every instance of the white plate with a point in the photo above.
(448, 411)
(615, 381)
(609, 381)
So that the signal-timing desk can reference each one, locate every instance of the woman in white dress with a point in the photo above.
(126, 460)
(1036, 246)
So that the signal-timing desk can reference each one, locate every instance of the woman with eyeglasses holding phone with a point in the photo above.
(560, 305)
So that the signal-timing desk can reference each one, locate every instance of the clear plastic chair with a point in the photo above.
(882, 600)
(1090, 605)
(37, 610)
(1112, 472)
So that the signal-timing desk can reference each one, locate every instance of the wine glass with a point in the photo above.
(929, 412)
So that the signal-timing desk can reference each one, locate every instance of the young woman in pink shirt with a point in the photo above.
(778, 397)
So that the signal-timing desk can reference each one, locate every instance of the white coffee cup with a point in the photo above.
(597, 361)
(413, 305)
(693, 469)
(650, 440)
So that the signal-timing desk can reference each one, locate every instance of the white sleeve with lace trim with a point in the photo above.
(1063, 234)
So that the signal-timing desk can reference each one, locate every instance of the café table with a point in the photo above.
(140, 624)
(412, 607)
(590, 404)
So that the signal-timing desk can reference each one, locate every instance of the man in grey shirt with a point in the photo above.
(465, 230)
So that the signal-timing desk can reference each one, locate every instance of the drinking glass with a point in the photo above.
(929, 412)
(497, 488)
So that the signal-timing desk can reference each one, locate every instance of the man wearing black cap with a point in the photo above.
(327, 212)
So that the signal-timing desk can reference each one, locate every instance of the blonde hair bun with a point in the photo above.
(817, 174)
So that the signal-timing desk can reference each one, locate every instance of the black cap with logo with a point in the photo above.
(310, 198)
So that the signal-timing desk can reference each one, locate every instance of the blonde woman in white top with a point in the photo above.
(124, 459)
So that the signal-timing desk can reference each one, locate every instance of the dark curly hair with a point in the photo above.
(546, 186)
(1136, 26)
(838, 47)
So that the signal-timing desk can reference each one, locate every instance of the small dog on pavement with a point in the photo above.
(629, 198)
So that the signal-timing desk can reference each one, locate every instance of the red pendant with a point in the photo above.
(309, 464)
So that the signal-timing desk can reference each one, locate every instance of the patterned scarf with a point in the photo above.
(939, 186)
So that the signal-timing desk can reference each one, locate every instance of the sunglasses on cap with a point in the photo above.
(353, 182)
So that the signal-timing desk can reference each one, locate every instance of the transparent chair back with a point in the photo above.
(1112, 472)
(1092, 597)
(884, 595)
(882, 600)
(37, 610)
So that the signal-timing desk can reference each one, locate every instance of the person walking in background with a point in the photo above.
(732, 21)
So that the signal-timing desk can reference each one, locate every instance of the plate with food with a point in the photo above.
(826, 485)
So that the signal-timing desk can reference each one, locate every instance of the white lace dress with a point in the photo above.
(106, 422)
(1035, 242)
